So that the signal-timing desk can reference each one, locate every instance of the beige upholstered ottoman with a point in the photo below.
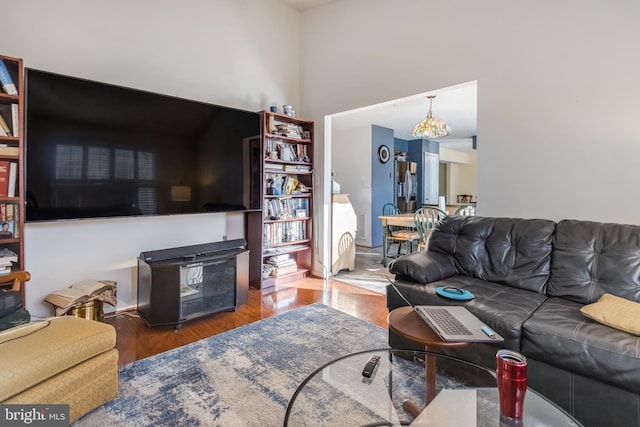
(63, 360)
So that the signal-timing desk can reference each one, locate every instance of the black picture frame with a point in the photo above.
(383, 154)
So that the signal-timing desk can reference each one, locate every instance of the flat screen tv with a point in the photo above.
(96, 150)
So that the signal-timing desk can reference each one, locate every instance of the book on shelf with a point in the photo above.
(289, 130)
(281, 263)
(280, 271)
(80, 292)
(284, 208)
(8, 211)
(279, 259)
(9, 120)
(290, 184)
(15, 120)
(13, 179)
(5, 130)
(5, 78)
(281, 232)
(6, 150)
(4, 177)
(272, 166)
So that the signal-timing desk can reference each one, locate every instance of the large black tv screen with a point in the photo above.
(98, 150)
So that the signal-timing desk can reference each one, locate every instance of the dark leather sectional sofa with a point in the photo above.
(530, 277)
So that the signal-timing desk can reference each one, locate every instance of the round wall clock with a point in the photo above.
(383, 154)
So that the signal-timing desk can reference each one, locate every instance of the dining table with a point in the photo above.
(402, 220)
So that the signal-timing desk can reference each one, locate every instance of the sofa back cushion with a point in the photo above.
(509, 251)
(593, 258)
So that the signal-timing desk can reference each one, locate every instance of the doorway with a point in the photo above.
(352, 154)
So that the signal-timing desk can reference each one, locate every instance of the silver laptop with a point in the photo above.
(453, 323)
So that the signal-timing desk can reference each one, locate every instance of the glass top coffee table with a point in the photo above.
(337, 394)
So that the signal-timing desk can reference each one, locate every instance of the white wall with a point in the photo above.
(355, 146)
(243, 54)
(557, 96)
(557, 90)
(462, 172)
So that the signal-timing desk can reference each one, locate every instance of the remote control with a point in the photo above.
(370, 366)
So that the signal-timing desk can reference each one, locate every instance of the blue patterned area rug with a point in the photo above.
(244, 377)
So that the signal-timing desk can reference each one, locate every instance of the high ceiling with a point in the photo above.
(457, 106)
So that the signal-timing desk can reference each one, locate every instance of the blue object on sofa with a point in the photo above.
(530, 277)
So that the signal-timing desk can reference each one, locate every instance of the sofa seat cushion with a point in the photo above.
(502, 308)
(29, 359)
(559, 335)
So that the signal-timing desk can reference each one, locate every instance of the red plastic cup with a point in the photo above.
(511, 378)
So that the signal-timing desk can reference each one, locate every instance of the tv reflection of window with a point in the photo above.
(127, 165)
(68, 161)
(98, 164)
(147, 201)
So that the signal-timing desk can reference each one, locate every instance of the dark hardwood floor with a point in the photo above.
(135, 340)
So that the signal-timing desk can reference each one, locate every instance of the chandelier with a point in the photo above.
(431, 127)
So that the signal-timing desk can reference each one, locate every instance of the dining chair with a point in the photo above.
(398, 234)
(465, 210)
(425, 219)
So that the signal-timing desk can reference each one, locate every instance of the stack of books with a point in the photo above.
(283, 264)
(7, 258)
(289, 130)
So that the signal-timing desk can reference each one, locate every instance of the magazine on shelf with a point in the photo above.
(8, 255)
(186, 290)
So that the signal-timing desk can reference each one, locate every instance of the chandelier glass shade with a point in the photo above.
(431, 127)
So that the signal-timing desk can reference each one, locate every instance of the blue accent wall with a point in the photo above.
(382, 181)
(416, 148)
(400, 145)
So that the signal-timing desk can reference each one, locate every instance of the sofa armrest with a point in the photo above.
(424, 267)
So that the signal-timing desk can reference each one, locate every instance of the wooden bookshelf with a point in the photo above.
(12, 152)
(285, 224)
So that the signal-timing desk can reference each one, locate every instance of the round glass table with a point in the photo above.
(464, 394)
